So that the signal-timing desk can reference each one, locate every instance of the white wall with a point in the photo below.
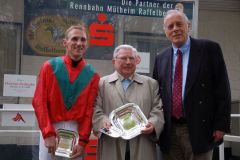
(223, 25)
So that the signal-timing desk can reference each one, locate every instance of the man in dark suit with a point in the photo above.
(195, 91)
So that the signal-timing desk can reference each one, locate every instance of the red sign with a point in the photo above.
(101, 34)
(18, 118)
(91, 150)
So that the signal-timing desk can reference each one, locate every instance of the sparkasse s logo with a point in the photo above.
(101, 34)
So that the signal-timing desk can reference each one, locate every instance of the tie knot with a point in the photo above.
(126, 80)
(179, 52)
(125, 83)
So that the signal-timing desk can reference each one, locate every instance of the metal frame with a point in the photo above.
(230, 138)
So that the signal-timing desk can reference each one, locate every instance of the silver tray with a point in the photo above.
(66, 141)
(127, 122)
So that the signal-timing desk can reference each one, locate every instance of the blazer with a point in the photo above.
(143, 91)
(207, 98)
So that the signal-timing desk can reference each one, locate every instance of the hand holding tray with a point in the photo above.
(127, 122)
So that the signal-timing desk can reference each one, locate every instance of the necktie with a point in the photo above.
(125, 84)
(177, 87)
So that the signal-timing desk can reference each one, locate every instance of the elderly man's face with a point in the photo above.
(76, 44)
(176, 29)
(125, 62)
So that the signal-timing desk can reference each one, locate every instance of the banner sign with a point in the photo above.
(19, 85)
(16, 117)
(45, 22)
(144, 65)
(151, 8)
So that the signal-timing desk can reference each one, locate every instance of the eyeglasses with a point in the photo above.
(125, 59)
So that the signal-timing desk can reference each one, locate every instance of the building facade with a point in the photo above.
(31, 32)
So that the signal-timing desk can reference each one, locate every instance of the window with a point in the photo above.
(10, 42)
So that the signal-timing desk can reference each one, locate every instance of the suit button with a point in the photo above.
(200, 102)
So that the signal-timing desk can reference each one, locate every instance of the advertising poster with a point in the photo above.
(19, 85)
(46, 21)
(144, 65)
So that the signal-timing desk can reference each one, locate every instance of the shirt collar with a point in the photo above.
(122, 78)
(116, 76)
(184, 48)
(68, 59)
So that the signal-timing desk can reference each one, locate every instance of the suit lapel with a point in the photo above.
(195, 59)
(120, 91)
(113, 78)
(169, 58)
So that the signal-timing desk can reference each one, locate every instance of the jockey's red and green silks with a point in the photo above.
(64, 93)
(70, 91)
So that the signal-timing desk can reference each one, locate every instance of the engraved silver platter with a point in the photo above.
(66, 141)
(127, 121)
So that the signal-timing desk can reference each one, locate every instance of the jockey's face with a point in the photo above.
(75, 44)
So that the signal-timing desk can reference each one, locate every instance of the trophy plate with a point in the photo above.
(66, 141)
(127, 122)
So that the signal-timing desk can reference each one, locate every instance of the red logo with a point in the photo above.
(101, 34)
(18, 118)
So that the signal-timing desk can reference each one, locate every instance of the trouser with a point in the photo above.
(43, 151)
(181, 148)
(127, 154)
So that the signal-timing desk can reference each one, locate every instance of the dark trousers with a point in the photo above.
(181, 148)
(127, 154)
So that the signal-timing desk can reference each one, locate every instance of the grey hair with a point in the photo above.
(175, 11)
(124, 46)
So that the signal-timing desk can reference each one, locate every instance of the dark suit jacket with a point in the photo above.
(207, 98)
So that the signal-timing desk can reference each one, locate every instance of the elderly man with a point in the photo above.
(113, 92)
(65, 95)
(195, 90)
